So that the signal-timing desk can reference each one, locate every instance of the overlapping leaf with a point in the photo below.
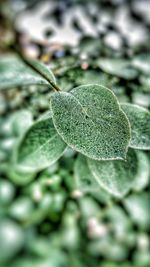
(84, 178)
(117, 177)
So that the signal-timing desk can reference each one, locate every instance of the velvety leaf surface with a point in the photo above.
(117, 177)
(90, 121)
(14, 72)
(40, 147)
(42, 69)
(84, 178)
(139, 118)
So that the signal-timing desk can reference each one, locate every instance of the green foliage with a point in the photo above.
(84, 178)
(138, 207)
(13, 238)
(89, 120)
(143, 174)
(40, 147)
(139, 118)
(15, 72)
(94, 194)
(18, 176)
(142, 63)
(117, 177)
(118, 67)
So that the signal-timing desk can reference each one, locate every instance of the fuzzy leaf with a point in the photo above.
(40, 147)
(83, 176)
(139, 118)
(14, 72)
(90, 121)
(117, 177)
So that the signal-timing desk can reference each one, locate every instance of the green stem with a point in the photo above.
(27, 62)
(54, 86)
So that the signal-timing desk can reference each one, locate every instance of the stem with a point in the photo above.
(54, 86)
(25, 60)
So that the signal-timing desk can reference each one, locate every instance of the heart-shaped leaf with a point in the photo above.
(139, 118)
(90, 120)
(117, 177)
(40, 147)
(15, 72)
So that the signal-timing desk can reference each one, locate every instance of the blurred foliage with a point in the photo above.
(47, 219)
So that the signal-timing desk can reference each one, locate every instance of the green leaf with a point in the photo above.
(19, 177)
(139, 118)
(40, 147)
(13, 238)
(14, 72)
(21, 121)
(83, 176)
(142, 62)
(143, 174)
(138, 208)
(90, 121)
(118, 67)
(42, 69)
(86, 182)
(117, 177)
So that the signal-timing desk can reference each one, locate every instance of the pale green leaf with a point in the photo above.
(139, 118)
(21, 121)
(13, 238)
(90, 121)
(14, 72)
(138, 208)
(118, 67)
(42, 69)
(143, 174)
(142, 62)
(19, 177)
(85, 181)
(117, 177)
(40, 147)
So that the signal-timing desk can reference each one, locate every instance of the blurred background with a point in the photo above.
(50, 218)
